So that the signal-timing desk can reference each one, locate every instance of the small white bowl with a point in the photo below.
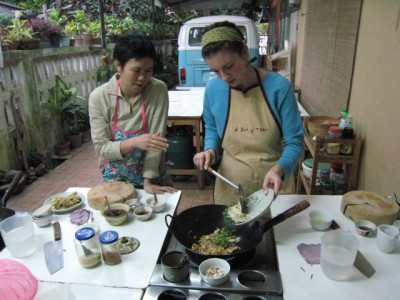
(143, 213)
(365, 227)
(320, 219)
(43, 221)
(133, 203)
(43, 211)
(156, 207)
(220, 265)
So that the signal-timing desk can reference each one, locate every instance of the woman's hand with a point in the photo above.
(149, 142)
(205, 159)
(151, 188)
(273, 179)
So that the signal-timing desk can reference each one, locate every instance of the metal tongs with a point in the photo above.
(242, 197)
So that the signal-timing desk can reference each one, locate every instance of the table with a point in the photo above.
(131, 276)
(186, 108)
(303, 281)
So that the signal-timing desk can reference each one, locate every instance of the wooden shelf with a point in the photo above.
(315, 149)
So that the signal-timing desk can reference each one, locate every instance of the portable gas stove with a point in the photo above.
(257, 278)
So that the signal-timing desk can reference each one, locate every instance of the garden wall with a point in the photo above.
(24, 83)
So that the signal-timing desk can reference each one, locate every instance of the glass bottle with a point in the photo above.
(347, 133)
(87, 247)
(110, 247)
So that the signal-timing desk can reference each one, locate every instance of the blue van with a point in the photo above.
(193, 70)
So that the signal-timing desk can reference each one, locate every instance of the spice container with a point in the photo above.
(110, 247)
(335, 132)
(347, 133)
(87, 247)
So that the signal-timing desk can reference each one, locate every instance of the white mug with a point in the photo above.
(387, 238)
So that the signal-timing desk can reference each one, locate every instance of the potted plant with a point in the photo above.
(71, 31)
(92, 32)
(63, 103)
(55, 17)
(19, 31)
(47, 31)
(80, 20)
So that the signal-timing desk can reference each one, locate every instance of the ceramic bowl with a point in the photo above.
(143, 213)
(121, 216)
(42, 211)
(365, 227)
(156, 207)
(43, 221)
(133, 203)
(320, 219)
(214, 271)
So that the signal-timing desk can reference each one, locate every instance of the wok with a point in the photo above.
(6, 212)
(191, 224)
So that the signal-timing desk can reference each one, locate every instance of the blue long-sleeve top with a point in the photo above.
(284, 107)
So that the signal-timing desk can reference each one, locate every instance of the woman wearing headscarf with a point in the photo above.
(249, 113)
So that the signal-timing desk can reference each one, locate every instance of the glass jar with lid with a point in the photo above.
(110, 247)
(335, 132)
(87, 247)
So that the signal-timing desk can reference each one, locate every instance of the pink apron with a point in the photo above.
(130, 168)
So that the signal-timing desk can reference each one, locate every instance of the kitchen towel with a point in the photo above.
(310, 252)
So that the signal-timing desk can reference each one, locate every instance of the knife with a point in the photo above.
(361, 263)
(53, 251)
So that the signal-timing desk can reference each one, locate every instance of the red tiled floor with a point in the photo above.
(81, 170)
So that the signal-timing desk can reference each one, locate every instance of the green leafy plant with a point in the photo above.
(93, 28)
(70, 28)
(57, 18)
(65, 103)
(18, 30)
(81, 21)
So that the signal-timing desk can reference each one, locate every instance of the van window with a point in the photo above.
(196, 33)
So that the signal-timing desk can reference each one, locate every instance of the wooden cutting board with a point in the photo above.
(365, 205)
(116, 192)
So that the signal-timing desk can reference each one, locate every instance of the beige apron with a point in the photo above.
(252, 144)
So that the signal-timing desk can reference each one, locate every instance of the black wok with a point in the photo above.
(6, 212)
(191, 224)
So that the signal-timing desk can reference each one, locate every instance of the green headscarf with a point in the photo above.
(219, 34)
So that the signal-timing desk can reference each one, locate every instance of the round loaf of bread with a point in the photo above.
(364, 205)
(115, 191)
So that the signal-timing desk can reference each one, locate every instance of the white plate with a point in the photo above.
(65, 194)
(257, 204)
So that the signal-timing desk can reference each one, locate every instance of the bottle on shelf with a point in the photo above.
(347, 133)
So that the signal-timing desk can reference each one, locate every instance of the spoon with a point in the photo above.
(155, 199)
(109, 208)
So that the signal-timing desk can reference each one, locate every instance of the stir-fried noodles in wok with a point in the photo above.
(220, 242)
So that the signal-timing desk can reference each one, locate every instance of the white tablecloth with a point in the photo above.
(134, 271)
(304, 281)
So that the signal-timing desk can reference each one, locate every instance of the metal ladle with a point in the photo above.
(242, 198)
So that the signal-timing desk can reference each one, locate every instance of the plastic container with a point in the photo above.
(18, 235)
(338, 252)
(87, 247)
(110, 247)
(335, 132)
(340, 186)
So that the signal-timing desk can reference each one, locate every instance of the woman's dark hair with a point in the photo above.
(133, 46)
(213, 48)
